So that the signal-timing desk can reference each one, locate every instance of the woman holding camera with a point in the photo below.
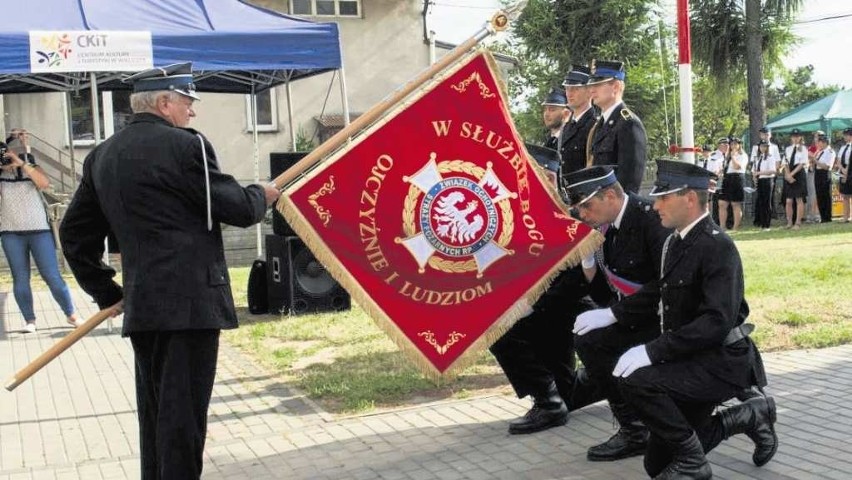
(25, 230)
(733, 191)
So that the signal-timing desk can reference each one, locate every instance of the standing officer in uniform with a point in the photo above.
(629, 258)
(537, 353)
(619, 136)
(823, 164)
(554, 113)
(703, 356)
(157, 186)
(575, 135)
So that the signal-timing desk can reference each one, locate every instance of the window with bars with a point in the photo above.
(326, 8)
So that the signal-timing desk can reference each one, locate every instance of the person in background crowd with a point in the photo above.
(844, 167)
(733, 191)
(618, 137)
(823, 163)
(704, 355)
(575, 135)
(715, 165)
(704, 157)
(795, 179)
(157, 186)
(554, 113)
(764, 170)
(765, 136)
(25, 229)
(811, 205)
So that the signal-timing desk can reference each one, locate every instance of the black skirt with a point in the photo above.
(732, 188)
(799, 188)
(846, 187)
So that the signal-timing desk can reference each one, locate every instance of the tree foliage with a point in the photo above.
(797, 89)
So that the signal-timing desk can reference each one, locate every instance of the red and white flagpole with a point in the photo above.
(684, 68)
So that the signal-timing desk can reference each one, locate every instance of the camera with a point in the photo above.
(3, 160)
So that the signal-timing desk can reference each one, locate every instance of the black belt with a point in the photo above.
(738, 333)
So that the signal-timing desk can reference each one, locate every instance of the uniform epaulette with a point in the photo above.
(626, 114)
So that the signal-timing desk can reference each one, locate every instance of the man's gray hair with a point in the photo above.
(147, 101)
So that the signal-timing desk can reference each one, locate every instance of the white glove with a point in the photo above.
(593, 320)
(589, 262)
(631, 360)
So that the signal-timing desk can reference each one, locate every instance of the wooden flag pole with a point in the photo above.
(28, 371)
(499, 22)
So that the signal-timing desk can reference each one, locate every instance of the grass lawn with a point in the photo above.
(797, 285)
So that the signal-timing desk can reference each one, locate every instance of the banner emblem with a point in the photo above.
(458, 217)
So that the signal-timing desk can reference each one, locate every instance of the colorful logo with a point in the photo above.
(55, 49)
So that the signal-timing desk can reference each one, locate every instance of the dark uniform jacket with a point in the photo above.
(574, 138)
(146, 184)
(551, 142)
(621, 141)
(702, 300)
(633, 251)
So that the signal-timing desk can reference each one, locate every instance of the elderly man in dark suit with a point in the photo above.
(703, 355)
(619, 137)
(157, 186)
(629, 258)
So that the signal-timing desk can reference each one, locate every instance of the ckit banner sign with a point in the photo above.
(90, 51)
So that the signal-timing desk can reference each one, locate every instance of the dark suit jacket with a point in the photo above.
(621, 141)
(146, 184)
(702, 296)
(575, 136)
(633, 253)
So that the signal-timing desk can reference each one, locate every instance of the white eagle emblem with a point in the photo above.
(453, 223)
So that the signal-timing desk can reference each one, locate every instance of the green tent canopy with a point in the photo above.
(830, 113)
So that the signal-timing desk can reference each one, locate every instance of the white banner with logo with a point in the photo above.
(90, 51)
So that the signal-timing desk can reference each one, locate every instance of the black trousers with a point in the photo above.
(763, 205)
(539, 349)
(174, 381)
(822, 184)
(674, 400)
(600, 350)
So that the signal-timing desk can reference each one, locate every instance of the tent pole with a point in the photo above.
(259, 226)
(343, 97)
(289, 91)
(70, 121)
(96, 110)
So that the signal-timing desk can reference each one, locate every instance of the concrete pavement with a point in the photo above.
(76, 420)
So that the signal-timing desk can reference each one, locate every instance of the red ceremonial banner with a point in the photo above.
(436, 221)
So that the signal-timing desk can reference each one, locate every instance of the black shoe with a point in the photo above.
(756, 418)
(538, 419)
(628, 441)
(548, 411)
(688, 462)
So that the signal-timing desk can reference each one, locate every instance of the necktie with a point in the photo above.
(843, 160)
(792, 162)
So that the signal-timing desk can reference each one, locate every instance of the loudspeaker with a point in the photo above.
(278, 162)
(258, 293)
(297, 282)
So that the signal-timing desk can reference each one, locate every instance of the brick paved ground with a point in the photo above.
(76, 420)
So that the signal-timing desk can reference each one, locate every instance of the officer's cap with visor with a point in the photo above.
(582, 185)
(847, 131)
(176, 77)
(556, 98)
(674, 176)
(606, 70)
(548, 158)
(723, 141)
(577, 77)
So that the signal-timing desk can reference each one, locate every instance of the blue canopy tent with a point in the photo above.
(235, 48)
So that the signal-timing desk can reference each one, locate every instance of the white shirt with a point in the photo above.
(617, 222)
(801, 155)
(845, 155)
(715, 162)
(683, 233)
(608, 112)
(740, 158)
(826, 157)
(770, 162)
(773, 150)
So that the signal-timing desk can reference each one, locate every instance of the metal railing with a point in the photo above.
(57, 165)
